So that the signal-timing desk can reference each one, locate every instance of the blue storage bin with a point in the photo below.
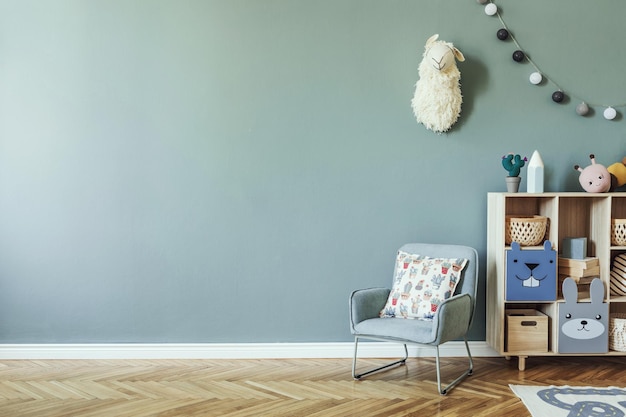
(531, 273)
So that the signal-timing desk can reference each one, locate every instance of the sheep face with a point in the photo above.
(440, 57)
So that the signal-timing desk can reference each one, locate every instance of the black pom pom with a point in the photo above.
(558, 96)
(503, 34)
(518, 56)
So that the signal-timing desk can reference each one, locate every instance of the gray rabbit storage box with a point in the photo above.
(583, 326)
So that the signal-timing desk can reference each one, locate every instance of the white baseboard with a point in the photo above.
(232, 350)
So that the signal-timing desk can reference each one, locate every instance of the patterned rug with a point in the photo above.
(569, 401)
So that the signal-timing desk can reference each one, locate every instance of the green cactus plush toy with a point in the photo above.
(513, 163)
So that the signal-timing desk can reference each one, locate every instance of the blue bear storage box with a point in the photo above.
(531, 273)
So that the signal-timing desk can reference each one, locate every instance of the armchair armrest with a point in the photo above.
(366, 304)
(453, 318)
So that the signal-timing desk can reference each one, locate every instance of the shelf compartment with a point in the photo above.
(527, 331)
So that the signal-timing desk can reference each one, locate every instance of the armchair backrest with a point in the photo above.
(469, 276)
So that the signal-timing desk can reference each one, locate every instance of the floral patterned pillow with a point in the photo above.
(421, 284)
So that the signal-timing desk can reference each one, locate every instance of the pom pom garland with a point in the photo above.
(582, 109)
(502, 34)
(610, 113)
(537, 77)
(558, 96)
(491, 9)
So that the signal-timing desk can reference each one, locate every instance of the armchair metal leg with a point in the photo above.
(359, 376)
(469, 371)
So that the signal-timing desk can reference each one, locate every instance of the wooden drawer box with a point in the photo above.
(527, 331)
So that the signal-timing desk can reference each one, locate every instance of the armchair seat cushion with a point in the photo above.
(417, 331)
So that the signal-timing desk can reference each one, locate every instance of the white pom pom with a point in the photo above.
(491, 9)
(535, 78)
(610, 113)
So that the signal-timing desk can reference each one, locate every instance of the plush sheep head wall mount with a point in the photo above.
(437, 99)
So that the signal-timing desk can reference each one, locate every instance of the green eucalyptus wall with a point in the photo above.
(229, 170)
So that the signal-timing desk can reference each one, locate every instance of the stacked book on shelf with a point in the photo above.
(583, 271)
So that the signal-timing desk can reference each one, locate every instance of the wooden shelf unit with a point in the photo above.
(576, 214)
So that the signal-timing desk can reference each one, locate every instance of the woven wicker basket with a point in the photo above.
(618, 232)
(525, 230)
(617, 332)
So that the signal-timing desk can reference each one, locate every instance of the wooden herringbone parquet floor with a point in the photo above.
(289, 387)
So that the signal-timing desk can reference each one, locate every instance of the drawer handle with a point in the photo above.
(529, 323)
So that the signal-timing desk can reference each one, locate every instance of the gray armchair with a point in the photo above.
(451, 321)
